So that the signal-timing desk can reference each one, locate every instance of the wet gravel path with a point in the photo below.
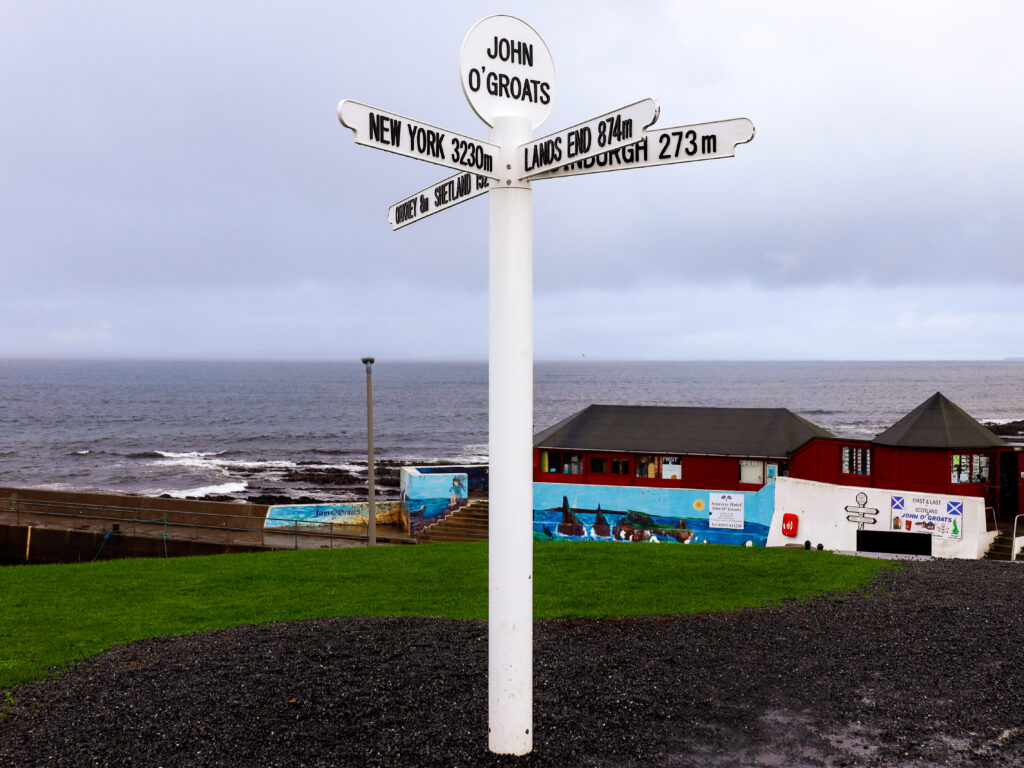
(924, 667)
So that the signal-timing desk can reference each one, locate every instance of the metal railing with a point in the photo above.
(179, 525)
(1013, 541)
(995, 524)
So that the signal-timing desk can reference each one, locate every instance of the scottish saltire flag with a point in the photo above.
(897, 503)
(954, 507)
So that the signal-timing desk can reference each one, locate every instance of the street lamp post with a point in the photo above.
(371, 523)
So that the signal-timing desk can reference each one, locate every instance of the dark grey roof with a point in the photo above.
(938, 422)
(767, 432)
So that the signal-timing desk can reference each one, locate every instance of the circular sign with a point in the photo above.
(507, 71)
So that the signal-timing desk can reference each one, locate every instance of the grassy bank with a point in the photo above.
(53, 615)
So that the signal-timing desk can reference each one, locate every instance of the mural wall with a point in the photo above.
(356, 513)
(429, 495)
(564, 512)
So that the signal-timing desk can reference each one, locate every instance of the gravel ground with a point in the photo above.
(921, 668)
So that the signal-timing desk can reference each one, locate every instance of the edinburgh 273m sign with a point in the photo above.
(508, 76)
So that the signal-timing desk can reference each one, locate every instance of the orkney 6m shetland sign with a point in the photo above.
(446, 193)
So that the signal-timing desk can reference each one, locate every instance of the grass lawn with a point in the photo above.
(52, 615)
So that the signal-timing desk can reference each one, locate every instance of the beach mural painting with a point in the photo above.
(564, 512)
(429, 495)
(356, 513)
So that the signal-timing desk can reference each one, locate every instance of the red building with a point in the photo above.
(720, 448)
(936, 448)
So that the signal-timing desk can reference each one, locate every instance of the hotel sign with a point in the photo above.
(725, 510)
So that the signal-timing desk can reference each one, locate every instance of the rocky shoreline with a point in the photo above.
(920, 668)
(317, 482)
(1009, 429)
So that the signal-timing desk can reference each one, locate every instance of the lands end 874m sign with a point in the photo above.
(507, 71)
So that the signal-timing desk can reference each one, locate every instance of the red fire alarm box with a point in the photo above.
(789, 524)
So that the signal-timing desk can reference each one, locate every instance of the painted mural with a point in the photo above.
(357, 513)
(564, 512)
(428, 496)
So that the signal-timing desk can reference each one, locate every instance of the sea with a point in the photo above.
(279, 431)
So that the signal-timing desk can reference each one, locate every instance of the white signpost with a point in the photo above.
(508, 76)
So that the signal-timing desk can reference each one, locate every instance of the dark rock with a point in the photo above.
(270, 499)
(1010, 429)
(322, 476)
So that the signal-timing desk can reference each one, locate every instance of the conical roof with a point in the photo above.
(938, 422)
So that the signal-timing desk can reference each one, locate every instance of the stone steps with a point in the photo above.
(1002, 547)
(468, 523)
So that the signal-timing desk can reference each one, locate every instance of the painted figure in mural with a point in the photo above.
(456, 491)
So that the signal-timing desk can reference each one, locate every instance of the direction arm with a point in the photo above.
(665, 146)
(605, 133)
(380, 129)
(437, 197)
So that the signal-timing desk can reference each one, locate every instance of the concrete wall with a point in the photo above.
(823, 510)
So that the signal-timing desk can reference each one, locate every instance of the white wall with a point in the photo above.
(821, 509)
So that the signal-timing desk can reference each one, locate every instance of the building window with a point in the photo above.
(562, 463)
(671, 468)
(752, 471)
(856, 460)
(620, 466)
(970, 468)
(655, 467)
(599, 466)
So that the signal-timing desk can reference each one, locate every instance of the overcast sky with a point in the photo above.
(175, 183)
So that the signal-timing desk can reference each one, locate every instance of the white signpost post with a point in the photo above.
(508, 76)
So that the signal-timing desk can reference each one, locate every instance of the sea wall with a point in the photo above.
(71, 526)
(831, 515)
(33, 544)
(570, 512)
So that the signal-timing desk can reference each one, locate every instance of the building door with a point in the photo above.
(1009, 484)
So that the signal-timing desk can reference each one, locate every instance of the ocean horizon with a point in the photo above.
(277, 428)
